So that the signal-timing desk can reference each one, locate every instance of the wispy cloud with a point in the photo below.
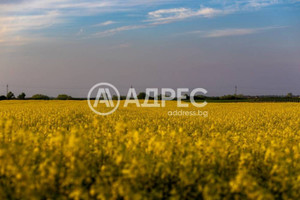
(106, 23)
(231, 32)
(163, 16)
(24, 22)
(260, 3)
(18, 17)
(13, 28)
(175, 14)
(66, 8)
(113, 31)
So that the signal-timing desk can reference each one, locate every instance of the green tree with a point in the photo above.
(63, 97)
(2, 97)
(40, 97)
(22, 96)
(10, 95)
(141, 95)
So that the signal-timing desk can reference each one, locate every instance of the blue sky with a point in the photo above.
(55, 46)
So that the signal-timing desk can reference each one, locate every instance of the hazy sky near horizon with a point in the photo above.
(67, 46)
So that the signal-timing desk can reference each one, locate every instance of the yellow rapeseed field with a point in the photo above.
(62, 150)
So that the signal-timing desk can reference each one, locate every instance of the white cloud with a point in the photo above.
(106, 23)
(113, 31)
(24, 22)
(159, 17)
(261, 3)
(19, 16)
(232, 32)
(13, 27)
(163, 16)
(68, 6)
(169, 15)
(75, 7)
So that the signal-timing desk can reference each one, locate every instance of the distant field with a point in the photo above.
(62, 150)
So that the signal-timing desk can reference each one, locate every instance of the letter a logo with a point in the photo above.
(103, 94)
(107, 98)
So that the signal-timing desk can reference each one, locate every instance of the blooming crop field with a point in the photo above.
(62, 150)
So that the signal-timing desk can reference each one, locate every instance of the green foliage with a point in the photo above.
(63, 97)
(10, 95)
(40, 97)
(141, 95)
(22, 96)
(232, 97)
(2, 97)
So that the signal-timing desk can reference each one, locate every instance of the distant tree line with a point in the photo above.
(245, 98)
(10, 96)
(142, 95)
(234, 98)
